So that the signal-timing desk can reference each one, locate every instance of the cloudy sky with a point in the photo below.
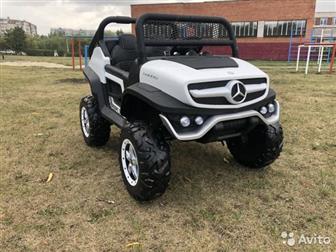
(85, 14)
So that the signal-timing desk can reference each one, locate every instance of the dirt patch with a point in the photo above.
(34, 64)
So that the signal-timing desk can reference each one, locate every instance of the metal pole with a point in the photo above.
(67, 45)
(298, 58)
(328, 56)
(80, 54)
(86, 53)
(331, 41)
(321, 41)
(290, 46)
(312, 36)
(321, 59)
(332, 59)
(73, 53)
(308, 57)
(319, 55)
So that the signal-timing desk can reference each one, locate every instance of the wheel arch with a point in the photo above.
(94, 82)
(136, 107)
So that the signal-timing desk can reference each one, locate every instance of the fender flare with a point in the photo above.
(154, 98)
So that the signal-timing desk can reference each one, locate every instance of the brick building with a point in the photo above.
(263, 27)
(8, 24)
(325, 24)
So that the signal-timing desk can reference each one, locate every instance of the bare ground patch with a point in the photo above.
(33, 64)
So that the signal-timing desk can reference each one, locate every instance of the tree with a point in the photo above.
(119, 32)
(16, 39)
(3, 45)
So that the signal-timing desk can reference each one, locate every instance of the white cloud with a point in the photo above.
(55, 15)
(84, 14)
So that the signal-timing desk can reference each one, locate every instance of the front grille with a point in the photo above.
(255, 95)
(214, 84)
(220, 100)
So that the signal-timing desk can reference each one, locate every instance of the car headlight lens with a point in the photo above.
(271, 108)
(199, 120)
(185, 121)
(263, 110)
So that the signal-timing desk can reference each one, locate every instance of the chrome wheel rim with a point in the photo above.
(129, 161)
(85, 122)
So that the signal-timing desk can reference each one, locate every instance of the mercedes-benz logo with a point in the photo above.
(238, 92)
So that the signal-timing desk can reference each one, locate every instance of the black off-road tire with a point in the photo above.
(261, 147)
(99, 129)
(153, 158)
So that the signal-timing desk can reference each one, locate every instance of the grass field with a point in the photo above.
(212, 204)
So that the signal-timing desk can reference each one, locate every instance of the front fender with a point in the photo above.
(154, 98)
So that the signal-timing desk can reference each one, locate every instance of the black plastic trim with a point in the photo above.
(104, 49)
(99, 91)
(167, 104)
(117, 72)
(203, 62)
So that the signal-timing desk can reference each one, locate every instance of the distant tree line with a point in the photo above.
(19, 42)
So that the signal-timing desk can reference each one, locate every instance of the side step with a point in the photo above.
(113, 117)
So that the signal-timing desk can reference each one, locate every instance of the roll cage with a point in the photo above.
(99, 35)
(173, 30)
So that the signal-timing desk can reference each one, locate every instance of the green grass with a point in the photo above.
(212, 204)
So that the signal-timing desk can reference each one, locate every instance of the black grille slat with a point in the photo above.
(255, 95)
(212, 100)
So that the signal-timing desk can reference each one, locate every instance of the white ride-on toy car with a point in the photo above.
(163, 85)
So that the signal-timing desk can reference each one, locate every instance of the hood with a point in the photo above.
(173, 76)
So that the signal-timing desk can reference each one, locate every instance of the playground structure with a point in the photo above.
(319, 48)
(73, 40)
(78, 40)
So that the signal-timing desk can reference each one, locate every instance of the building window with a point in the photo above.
(323, 21)
(245, 29)
(334, 21)
(285, 28)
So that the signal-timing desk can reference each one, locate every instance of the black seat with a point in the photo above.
(124, 53)
(155, 51)
(107, 46)
(111, 43)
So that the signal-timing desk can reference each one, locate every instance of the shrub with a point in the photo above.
(39, 52)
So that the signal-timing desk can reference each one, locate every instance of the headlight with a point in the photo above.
(271, 108)
(185, 121)
(263, 110)
(199, 120)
